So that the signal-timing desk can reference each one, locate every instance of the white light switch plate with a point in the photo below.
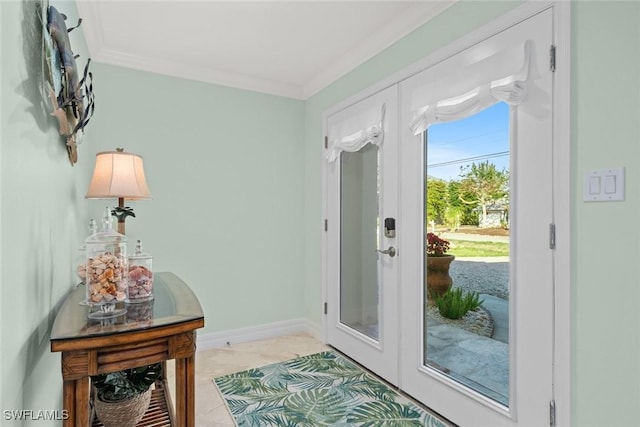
(604, 185)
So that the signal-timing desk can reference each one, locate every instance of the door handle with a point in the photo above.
(391, 251)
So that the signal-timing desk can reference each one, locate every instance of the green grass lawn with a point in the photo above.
(465, 248)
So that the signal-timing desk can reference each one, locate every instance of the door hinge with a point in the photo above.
(326, 224)
(552, 413)
(326, 142)
(552, 236)
(325, 308)
(552, 58)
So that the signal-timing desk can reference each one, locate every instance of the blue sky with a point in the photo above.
(483, 134)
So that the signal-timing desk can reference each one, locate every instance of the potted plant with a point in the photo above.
(437, 263)
(122, 397)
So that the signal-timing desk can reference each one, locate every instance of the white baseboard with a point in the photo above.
(254, 333)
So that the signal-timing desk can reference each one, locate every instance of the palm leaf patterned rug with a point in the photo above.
(323, 389)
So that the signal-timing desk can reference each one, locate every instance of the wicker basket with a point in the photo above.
(123, 414)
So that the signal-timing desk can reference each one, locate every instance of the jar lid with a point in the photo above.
(106, 234)
(138, 254)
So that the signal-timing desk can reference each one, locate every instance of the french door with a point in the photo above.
(362, 184)
(383, 158)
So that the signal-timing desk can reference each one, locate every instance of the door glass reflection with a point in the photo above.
(466, 283)
(359, 239)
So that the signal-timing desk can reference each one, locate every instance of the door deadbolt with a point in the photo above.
(390, 227)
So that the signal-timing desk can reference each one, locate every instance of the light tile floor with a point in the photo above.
(210, 408)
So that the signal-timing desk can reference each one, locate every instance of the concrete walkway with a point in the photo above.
(478, 362)
(499, 310)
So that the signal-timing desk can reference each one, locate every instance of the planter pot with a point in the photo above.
(125, 413)
(437, 274)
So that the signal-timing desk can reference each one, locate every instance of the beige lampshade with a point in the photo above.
(118, 174)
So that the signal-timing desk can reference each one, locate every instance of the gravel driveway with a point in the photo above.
(483, 275)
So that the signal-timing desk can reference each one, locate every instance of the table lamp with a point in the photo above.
(120, 175)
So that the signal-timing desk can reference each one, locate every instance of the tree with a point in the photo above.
(453, 217)
(482, 184)
(468, 214)
(436, 199)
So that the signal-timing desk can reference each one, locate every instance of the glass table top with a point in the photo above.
(173, 303)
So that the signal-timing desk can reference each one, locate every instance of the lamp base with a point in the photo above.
(121, 226)
(122, 212)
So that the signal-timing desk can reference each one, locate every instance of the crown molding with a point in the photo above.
(405, 23)
(98, 53)
(395, 30)
(198, 73)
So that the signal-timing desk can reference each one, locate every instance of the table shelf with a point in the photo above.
(158, 414)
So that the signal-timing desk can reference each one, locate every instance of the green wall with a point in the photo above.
(236, 181)
(43, 216)
(216, 159)
(223, 166)
(606, 243)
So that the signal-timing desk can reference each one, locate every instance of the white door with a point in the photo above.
(362, 267)
(501, 378)
(377, 308)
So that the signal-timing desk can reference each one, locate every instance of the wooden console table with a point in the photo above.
(151, 332)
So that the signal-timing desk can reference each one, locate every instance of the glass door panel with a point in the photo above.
(362, 267)
(466, 317)
(359, 240)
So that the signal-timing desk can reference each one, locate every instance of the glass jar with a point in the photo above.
(106, 271)
(140, 276)
(81, 269)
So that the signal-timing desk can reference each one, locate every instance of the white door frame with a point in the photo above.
(561, 179)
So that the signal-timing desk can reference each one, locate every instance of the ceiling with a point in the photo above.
(287, 48)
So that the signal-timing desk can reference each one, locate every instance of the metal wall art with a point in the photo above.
(71, 94)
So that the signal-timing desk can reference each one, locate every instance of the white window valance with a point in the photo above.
(472, 88)
(372, 134)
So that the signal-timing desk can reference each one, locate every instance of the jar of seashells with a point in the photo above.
(81, 270)
(106, 271)
(140, 276)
